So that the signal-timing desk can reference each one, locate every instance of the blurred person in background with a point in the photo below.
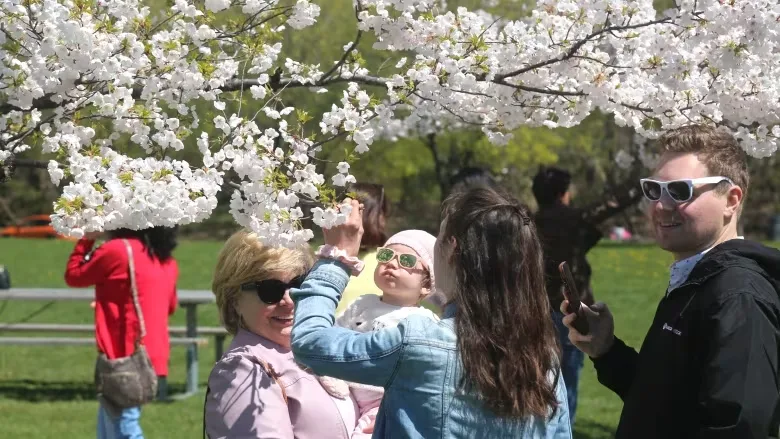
(471, 177)
(567, 234)
(117, 325)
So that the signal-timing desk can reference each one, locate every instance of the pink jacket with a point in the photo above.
(245, 401)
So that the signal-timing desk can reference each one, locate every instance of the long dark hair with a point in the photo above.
(505, 334)
(375, 212)
(159, 241)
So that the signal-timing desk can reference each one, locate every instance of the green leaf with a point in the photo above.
(302, 116)
(161, 174)
(126, 177)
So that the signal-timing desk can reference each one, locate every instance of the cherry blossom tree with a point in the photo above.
(112, 92)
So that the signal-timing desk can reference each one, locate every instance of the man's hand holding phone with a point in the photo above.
(591, 329)
(572, 295)
(602, 328)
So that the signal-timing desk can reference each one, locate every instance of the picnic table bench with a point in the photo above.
(189, 335)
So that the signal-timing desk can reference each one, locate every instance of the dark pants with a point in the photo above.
(572, 360)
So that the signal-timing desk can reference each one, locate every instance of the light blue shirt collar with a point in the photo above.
(680, 270)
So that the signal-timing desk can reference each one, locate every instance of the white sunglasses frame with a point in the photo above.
(397, 255)
(689, 181)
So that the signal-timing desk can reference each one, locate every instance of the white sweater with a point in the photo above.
(368, 313)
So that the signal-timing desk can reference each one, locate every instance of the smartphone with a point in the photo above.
(573, 296)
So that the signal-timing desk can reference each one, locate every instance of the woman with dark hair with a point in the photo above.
(375, 212)
(159, 242)
(489, 367)
(117, 324)
(376, 208)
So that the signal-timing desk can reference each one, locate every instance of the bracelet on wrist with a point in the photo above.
(328, 251)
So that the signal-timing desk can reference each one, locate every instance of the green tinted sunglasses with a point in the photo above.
(385, 255)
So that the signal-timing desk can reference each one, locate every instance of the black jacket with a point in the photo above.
(566, 235)
(708, 367)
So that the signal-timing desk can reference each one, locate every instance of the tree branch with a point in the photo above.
(349, 49)
(575, 47)
(539, 90)
(9, 166)
(430, 142)
(7, 209)
(45, 103)
(29, 163)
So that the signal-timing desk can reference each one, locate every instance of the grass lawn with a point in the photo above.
(46, 392)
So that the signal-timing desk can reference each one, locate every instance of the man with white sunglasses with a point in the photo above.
(708, 367)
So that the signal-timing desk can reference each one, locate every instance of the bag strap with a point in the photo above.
(134, 288)
(269, 370)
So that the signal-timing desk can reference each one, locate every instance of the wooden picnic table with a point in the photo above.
(188, 299)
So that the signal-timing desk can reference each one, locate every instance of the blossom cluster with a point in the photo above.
(112, 92)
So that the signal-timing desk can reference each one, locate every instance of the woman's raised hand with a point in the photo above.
(347, 236)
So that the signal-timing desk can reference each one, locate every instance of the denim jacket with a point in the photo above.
(416, 362)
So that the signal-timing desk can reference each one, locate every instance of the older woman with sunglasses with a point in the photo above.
(257, 390)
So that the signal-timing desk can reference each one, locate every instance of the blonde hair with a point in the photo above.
(243, 259)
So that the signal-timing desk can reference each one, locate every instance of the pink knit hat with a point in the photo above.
(422, 243)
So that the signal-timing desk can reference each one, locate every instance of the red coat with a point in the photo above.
(116, 322)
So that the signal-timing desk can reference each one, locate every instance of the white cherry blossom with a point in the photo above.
(70, 72)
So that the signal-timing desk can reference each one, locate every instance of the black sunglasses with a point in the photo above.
(271, 291)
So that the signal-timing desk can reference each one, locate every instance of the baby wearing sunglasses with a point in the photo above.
(405, 276)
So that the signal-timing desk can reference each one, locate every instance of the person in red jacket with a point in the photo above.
(116, 323)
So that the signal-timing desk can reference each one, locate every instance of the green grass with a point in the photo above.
(631, 280)
(45, 391)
